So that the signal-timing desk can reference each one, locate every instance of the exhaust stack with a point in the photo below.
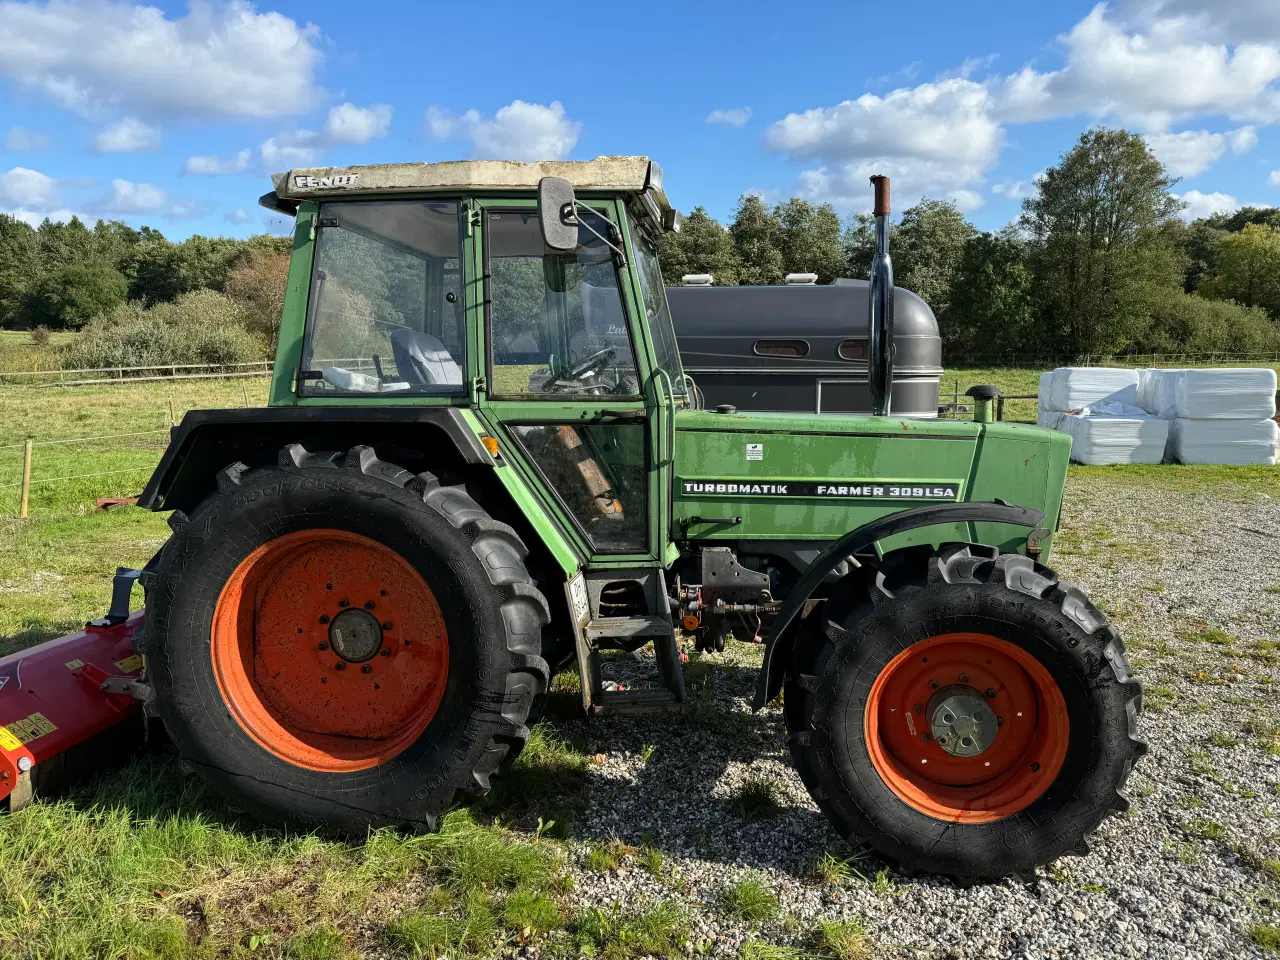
(880, 340)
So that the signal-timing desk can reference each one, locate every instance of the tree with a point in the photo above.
(19, 258)
(72, 295)
(1198, 325)
(701, 246)
(808, 238)
(257, 283)
(756, 238)
(859, 242)
(926, 249)
(992, 308)
(1102, 249)
(1248, 269)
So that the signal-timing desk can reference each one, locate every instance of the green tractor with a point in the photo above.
(482, 461)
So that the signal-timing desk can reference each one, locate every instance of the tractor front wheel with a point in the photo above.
(975, 718)
(335, 642)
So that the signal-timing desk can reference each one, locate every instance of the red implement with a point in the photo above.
(60, 696)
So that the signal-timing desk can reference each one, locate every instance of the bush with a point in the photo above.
(257, 282)
(70, 296)
(202, 327)
(1188, 323)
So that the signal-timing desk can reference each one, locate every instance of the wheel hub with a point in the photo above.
(961, 721)
(355, 635)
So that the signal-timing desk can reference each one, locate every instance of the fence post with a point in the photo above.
(245, 391)
(172, 419)
(1000, 407)
(26, 477)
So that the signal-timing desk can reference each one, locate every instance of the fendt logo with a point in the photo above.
(307, 182)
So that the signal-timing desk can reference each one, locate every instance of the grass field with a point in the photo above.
(145, 864)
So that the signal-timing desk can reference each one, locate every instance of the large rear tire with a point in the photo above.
(972, 717)
(336, 643)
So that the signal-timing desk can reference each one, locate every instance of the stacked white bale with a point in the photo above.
(1158, 392)
(1219, 415)
(1073, 388)
(1236, 442)
(1106, 433)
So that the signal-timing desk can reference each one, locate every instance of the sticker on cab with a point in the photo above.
(755, 451)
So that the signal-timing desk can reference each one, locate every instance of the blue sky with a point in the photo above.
(173, 114)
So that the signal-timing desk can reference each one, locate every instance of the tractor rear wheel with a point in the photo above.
(972, 716)
(337, 643)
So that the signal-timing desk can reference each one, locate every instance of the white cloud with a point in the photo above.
(1017, 189)
(347, 124)
(127, 136)
(518, 131)
(212, 166)
(1150, 79)
(1194, 151)
(731, 117)
(1203, 204)
(239, 216)
(1274, 179)
(22, 187)
(19, 139)
(351, 124)
(1209, 20)
(936, 139)
(221, 59)
(145, 199)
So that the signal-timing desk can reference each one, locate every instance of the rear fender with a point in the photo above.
(777, 652)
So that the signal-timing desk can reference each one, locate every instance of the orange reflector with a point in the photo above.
(490, 444)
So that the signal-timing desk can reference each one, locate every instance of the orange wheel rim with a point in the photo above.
(966, 727)
(330, 650)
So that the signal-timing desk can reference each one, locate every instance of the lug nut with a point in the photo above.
(322, 645)
(324, 618)
(406, 643)
(918, 708)
(385, 651)
(933, 684)
(344, 602)
(1035, 767)
(925, 737)
(386, 625)
(339, 665)
(991, 693)
(999, 721)
(964, 678)
(369, 604)
(366, 669)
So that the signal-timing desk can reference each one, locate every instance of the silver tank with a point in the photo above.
(803, 347)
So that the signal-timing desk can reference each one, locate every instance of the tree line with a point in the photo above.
(1098, 263)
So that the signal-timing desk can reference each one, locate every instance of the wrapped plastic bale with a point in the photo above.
(1235, 442)
(1237, 393)
(1158, 392)
(1072, 388)
(1108, 433)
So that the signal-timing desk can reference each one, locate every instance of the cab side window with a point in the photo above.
(557, 326)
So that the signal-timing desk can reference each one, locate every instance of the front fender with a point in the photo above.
(782, 633)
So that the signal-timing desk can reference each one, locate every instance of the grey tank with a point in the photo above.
(803, 347)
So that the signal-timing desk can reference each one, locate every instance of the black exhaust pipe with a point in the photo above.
(880, 342)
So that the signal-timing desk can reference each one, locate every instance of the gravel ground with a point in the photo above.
(1183, 874)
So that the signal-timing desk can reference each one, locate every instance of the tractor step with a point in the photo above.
(604, 628)
(630, 702)
(594, 598)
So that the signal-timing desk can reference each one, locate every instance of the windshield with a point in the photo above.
(557, 322)
(386, 308)
(656, 311)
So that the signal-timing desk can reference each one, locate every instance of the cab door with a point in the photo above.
(565, 385)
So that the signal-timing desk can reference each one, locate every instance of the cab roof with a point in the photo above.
(622, 174)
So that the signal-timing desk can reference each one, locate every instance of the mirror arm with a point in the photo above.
(603, 239)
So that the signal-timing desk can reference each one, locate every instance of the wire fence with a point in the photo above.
(29, 448)
(89, 376)
(1016, 361)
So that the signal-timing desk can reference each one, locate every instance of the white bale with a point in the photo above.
(1075, 387)
(1044, 391)
(1236, 442)
(1158, 392)
(1119, 434)
(1049, 418)
(1236, 393)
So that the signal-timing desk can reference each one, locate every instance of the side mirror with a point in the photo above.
(556, 214)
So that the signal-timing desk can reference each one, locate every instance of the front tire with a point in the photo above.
(336, 643)
(977, 720)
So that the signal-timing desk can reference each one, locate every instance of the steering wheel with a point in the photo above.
(590, 366)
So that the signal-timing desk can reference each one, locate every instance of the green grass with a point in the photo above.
(757, 799)
(749, 899)
(1266, 936)
(843, 940)
(662, 931)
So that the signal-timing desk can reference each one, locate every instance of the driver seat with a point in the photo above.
(424, 360)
